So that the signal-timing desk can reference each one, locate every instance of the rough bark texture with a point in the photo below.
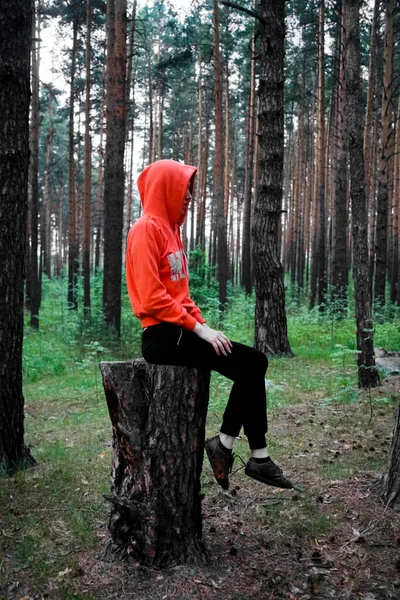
(114, 176)
(34, 303)
(339, 278)
(46, 236)
(87, 167)
(320, 160)
(222, 251)
(99, 192)
(15, 40)
(385, 161)
(391, 482)
(370, 125)
(73, 244)
(158, 418)
(396, 195)
(246, 276)
(367, 373)
(270, 317)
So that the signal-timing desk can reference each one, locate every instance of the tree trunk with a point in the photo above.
(151, 109)
(200, 209)
(203, 147)
(314, 220)
(227, 144)
(298, 194)
(87, 170)
(339, 279)
(73, 246)
(367, 374)
(270, 317)
(114, 181)
(320, 160)
(130, 119)
(394, 277)
(370, 125)
(158, 418)
(303, 216)
(308, 210)
(34, 304)
(15, 45)
(45, 234)
(391, 481)
(396, 194)
(222, 253)
(246, 277)
(386, 155)
(99, 191)
(130, 83)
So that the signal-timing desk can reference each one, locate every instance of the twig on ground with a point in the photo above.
(366, 531)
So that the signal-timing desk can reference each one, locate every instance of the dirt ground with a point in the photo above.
(333, 539)
(359, 559)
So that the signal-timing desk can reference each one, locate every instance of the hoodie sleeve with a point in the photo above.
(144, 252)
(193, 310)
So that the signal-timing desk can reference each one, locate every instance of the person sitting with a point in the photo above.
(174, 331)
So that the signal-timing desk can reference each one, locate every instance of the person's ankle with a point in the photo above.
(224, 448)
(260, 453)
(226, 440)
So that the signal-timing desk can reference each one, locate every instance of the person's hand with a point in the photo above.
(218, 340)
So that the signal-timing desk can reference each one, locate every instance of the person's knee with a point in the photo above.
(261, 362)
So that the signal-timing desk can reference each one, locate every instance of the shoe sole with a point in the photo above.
(224, 486)
(268, 482)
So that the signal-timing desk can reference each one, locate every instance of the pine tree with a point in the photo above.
(270, 317)
(367, 374)
(114, 182)
(15, 45)
(386, 157)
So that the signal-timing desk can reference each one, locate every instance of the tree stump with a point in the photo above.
(158, 416)
(391, 482)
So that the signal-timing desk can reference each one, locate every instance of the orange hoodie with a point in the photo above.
(156, 265)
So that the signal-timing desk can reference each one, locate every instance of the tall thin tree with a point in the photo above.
(386, 156)
(367, 374)
(73, 244)
(114, 180)
(320, 159)
(34, 300)
(270, 316)
(222, 250)
(339, 271)
(246, 274)
(87, 168)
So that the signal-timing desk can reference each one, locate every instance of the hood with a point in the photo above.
(162, 187)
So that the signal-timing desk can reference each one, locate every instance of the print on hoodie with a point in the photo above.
(176, 263)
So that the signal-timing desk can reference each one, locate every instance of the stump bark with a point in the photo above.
(158, 416)
(391, 482)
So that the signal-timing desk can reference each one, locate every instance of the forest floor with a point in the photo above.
(334, 539)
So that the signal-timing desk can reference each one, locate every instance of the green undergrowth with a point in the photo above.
(55, 511)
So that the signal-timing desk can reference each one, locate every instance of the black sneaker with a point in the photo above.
(221, 461)
(267, 472)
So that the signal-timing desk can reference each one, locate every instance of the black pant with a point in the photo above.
(167, 344)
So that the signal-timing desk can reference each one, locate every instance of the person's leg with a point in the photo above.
(247, 400)
(171, 345)
(245, 366)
